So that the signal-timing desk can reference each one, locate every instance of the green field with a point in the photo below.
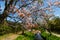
(30, 36)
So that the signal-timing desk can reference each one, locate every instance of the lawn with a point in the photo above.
(27, 36)
(48, 37)
(30, 36)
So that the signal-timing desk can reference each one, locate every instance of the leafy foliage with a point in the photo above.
(54, 24)
(5, 29)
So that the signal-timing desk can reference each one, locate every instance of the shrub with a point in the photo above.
(5, 29)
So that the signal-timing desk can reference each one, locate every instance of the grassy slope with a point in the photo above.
(52, 37)
(27, 36)
(30, 36)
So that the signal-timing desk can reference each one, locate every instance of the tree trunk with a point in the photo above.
(23, 32)
(6, 11)
(3, 16)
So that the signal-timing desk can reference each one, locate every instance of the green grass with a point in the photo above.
(30, 36)
(48, 37)
(27, 36)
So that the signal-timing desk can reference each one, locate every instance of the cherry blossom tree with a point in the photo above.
(30, 13)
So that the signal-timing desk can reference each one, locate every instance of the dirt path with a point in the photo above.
(14, 36)
(9, 37)
(58, 35)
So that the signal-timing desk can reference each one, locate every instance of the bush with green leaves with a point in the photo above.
(5, 29)
(54, 24)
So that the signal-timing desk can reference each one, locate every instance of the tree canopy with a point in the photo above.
(29, 12)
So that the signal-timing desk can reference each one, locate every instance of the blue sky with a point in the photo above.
(56, 13)
(56, 9)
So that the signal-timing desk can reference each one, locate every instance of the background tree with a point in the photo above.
(55, 24)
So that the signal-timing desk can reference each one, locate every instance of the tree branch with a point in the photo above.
(5, 12)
